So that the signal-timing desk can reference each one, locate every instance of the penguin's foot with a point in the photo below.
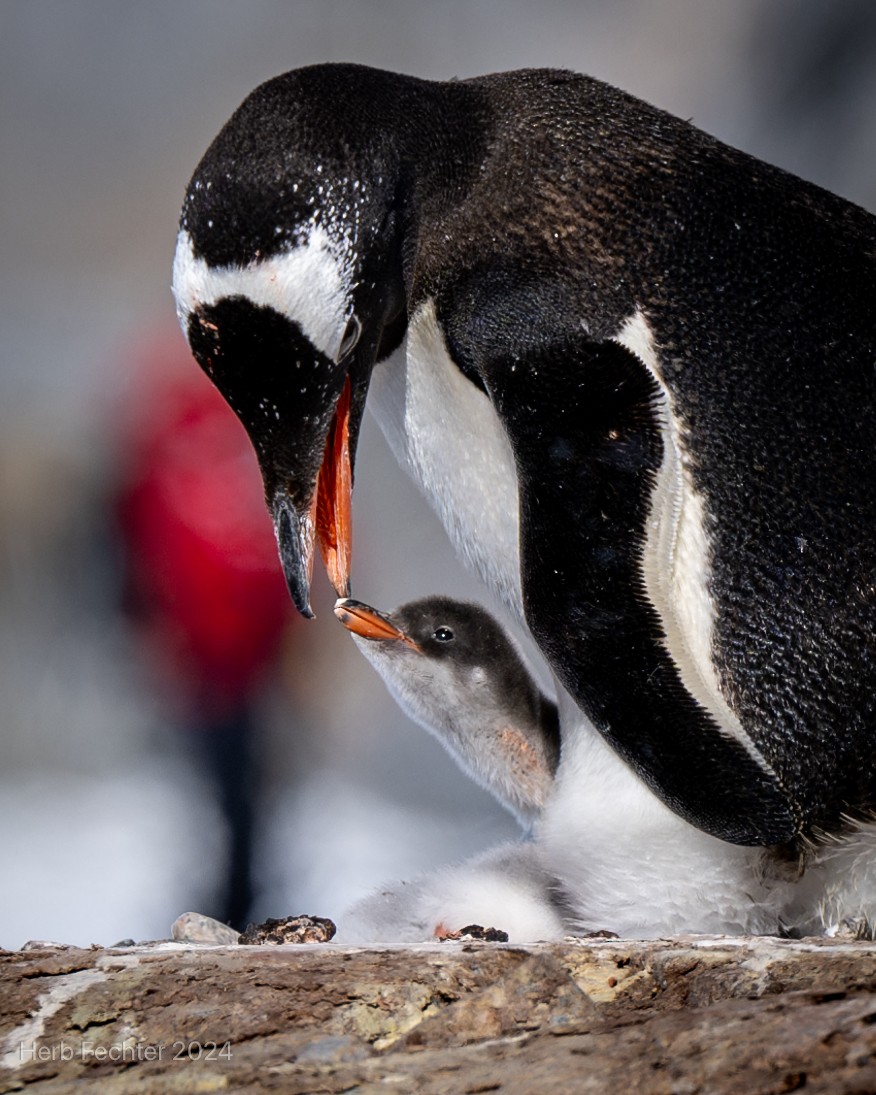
(852, 928)
(836, 895)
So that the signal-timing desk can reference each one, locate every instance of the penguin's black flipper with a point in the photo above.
(584, 421)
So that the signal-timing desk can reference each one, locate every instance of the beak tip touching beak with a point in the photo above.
(340, 610)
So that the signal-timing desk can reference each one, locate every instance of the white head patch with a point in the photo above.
(309, 284)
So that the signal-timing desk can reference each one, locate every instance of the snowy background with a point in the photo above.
(110, 827)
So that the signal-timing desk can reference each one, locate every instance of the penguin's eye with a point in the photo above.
(443, 635)
(349, 338)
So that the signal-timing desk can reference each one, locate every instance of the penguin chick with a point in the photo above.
(453, 669)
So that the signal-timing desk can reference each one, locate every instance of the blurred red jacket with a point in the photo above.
(202, 569)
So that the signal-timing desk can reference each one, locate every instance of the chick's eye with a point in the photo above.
(443, 635)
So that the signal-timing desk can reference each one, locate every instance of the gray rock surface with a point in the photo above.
(690, 1015)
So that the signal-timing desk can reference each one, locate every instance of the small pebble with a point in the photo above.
(292, 929)
(194, 927)
(45, 945)
(473, 932)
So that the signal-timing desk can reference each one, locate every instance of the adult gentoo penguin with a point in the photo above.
(455, 671)
(633, 369)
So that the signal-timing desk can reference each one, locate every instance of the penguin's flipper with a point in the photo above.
(586, 421)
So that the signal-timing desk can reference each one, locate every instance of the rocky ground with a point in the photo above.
(689, 1015)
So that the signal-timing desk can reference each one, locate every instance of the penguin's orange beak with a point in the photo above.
(326, 522)
(332, 502)
(367, 622)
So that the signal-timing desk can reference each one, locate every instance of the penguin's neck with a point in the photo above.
(447, 436)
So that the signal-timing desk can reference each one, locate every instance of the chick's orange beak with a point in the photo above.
(367, 622)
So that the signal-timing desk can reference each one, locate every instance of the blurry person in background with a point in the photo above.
(201, 584)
